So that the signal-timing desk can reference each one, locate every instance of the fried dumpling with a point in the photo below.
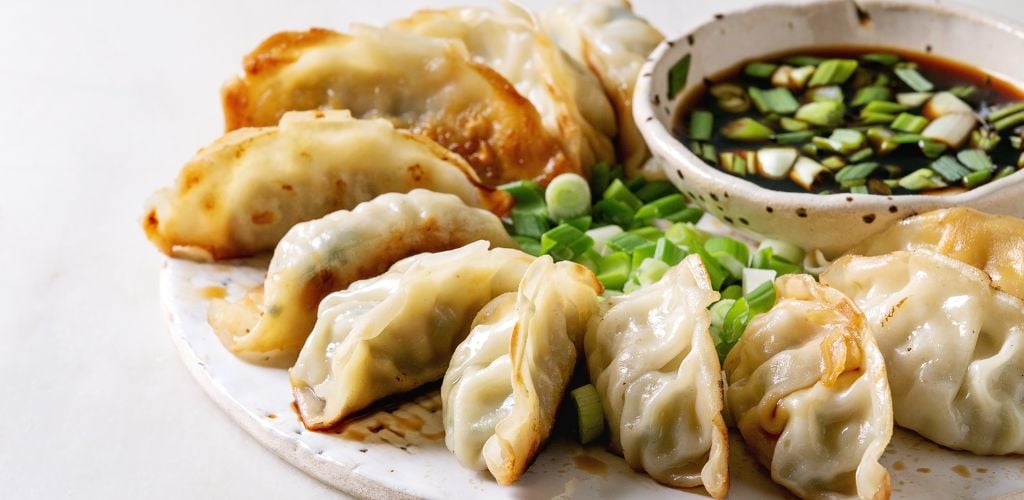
(653, 361)
(808, 391)
(570, 100)
(507, 379)
(611, 40)
(396, 332)
(242, 193)
(992, 243)
(322, 256)
(425, 84)
(953, 346)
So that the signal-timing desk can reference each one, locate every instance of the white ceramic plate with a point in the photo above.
(399, 452)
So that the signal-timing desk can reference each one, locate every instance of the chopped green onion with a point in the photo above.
(963, 91)
(654, 190)
(730, 253)
(834, 162)
(859, 189)
(885, 59)
(907, 138)
(1017, 141)
(746, 129)
(731, 97)
(668, 252)
(528, 245)
(1003, 172)
(824, 114)
(783, 250)
(833, 72)
(755, 278)
(805, 172)
(589, 415)
(659, 208)
(950, 169)
(701, 125)
(614, 212)
(777, 100)
(582, 222)
(951, 130)
(677, 75)
(913, 79)
(975, 160)
(648, 233)
(626, 242)
(645, 251)
(881, 140)
(977, 178)
(861, 155)
(601, 235)
(529, 196)
(907, 122)
(709, 154)
(529, 224)
(871, 94)
(987, 140)
(565, 242)
(760, 69)
(849, 140)
(879, 186)
(775, 162)
(885, 107)
(921, 179)
(688, 214)
(719, 309)
(945, 103)
(600, 178)
(590, 259)
(932, 149)
(827, 93)
(1005, 111)
(1010, 121)
(786, 76)
(858, 171)
(765, 258)
(635, 183)
(650, 271)
(618, 191)
(567, 196)
(793, 137)
(869, 118)
(732, 292)
(792, 125)
(913, 99)
(613, 270)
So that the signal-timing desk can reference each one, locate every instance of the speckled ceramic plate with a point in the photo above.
(399, 452)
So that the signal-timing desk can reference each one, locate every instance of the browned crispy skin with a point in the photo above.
(501, 135)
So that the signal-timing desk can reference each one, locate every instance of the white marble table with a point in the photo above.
(102, 103)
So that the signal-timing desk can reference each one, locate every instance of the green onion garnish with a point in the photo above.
(613, 270)
(1005, 111)
(567, 196)
(824, 114)
(977, 178)
(975, 160)
(833, 72)
(589, 415)
(885, 59)
(760, 70)
(1010, 121)
(913, 79)
(777, 100)
(913, 99)
(932, 149)
(746, 129)
(921, 179)
(528, 245)
(803, 60)
(871, 94)
(950, 169)
(701, 125)
(783, 250)
(907, 122)
(529, 224)
(889, 108)
(793, 137)
(1003, 172)
(858, 171)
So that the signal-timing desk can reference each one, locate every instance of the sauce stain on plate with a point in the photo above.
(590, 465)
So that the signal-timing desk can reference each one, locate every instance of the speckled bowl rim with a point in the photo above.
(661, 141)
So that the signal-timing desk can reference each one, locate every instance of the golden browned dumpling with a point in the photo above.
(242, 193)
(425, 84)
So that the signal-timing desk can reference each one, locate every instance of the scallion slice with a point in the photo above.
(950, 169)
(921, 179)
(885, 59)
(783, 250)
(913, 99)
(701, 125)
(1005, 111)
(589, 415)
(977, 178)
(613, 270)
(855, 172)
(951, 130)
(907, 122)
(747, 129)
(1010, 121)
(567, 196)
(976, 160)
(760, 69)
(833, 72)
(870, 94)
(932, 149)
(913, 79)
(806, 172)
(823, 114)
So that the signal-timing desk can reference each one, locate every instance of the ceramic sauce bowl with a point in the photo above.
(834, 222)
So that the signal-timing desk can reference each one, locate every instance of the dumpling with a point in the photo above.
(953, 345)
(992, 243)
(321, 256)
(653, 361)
(807, 390)
(242, 193)
(570, 100)
(427, 85)
(506, 380)
(611, 40)
(396, 332)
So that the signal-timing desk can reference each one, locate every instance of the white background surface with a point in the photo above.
(102, 103)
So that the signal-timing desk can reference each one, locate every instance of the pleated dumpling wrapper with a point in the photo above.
(953, 346)
(808, 391)
(507, 379)
(653, 361)
(992, 243)
(613, 42)
(425, 84)
(570, 100)
(240, 195)
(396, 332)
(325, 255)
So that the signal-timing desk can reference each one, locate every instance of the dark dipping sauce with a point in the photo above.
(990, 94)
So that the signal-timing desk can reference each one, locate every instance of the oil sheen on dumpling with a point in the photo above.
(613, 42)
(425, 84)
(807, 390)
(653, 361)
(570, 100)
(953, 346)
(322, 256)
(507, 379)
(992, 243)
(242, 193)
(396, 332)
